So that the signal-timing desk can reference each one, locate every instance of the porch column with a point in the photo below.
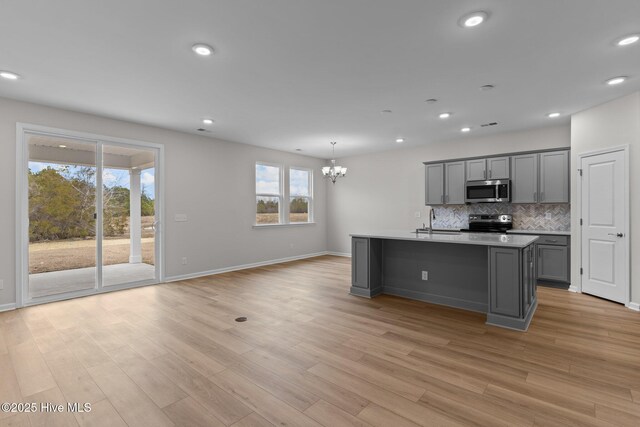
(135, 217)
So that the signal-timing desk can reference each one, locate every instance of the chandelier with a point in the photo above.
(333, 172)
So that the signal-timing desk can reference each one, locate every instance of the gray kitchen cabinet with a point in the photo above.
(454, 183)
(366, 264)
(554, 177)
(552, 259)
(476, 169)
(434, 184)
(536, 177)
(524, 183)
(360, 270)
(505, 285)
(553, 262)
(528, 276)
(498, 168)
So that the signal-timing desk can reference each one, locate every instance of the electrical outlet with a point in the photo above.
(547, 215)
(1, 285)
(417, 214)
(184, 261)
(425, 275)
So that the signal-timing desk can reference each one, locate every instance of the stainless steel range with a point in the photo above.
(494, 223)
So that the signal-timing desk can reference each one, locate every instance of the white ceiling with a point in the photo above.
(291, 74)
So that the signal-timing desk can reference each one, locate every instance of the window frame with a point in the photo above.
(281, 196)
(285, 189)
(309, 198)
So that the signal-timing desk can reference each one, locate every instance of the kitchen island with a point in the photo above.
(484, 272)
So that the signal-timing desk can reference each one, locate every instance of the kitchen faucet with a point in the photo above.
(432, 216)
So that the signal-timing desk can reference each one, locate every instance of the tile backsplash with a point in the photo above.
(525, 216)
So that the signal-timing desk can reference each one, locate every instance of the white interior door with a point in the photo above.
(605, 255)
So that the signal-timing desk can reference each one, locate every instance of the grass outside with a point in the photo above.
(272, 218)
(72, 254)
(58, 255)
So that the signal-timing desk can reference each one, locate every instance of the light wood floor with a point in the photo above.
(310, 354)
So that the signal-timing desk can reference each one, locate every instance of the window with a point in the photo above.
(300, 195)
(272, 194)
(268, 194)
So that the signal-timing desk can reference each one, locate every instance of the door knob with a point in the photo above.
(616, 234)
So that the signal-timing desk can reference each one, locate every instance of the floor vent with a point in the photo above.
(241, 319)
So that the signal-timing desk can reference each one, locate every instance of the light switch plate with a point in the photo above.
(180, 217)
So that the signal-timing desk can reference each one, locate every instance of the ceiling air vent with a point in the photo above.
(488, 124)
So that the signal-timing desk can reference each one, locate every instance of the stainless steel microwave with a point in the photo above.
(497, 191)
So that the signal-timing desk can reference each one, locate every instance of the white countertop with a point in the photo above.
(542, 232)
(483, 239)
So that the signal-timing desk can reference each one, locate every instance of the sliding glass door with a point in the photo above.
(62, 220)
(128, 215)
(92, 208)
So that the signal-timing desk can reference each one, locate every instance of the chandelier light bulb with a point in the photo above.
(334, 172)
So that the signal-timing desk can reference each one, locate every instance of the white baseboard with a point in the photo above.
(575, 289)
(7, 307)
(242, 267)
(344, 254)
(634, 306)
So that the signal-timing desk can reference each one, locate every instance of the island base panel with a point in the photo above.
(446, 265)
(513, 322)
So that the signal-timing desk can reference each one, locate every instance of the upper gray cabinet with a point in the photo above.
(498, 168)
(476, 169)
(554, 177)
(524, 186)
(539, 177)
(454, 183)
(434, 184)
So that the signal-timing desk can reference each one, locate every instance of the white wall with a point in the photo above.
(612, 124)
(211, 181)
(384, 190)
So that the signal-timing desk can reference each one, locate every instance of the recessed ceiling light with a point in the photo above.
(627, 40)
(202, 49)
(616, 80)
(445, 115)
(473, 19)
(466, 129)
(553, 115)
(431, 101)
(9, 75)
(207, 121)
(399, 140)
(62, 146)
